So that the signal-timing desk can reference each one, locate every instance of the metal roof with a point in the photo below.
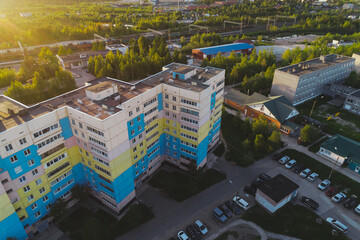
(225, 48)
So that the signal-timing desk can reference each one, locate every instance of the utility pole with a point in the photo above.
(337, 159)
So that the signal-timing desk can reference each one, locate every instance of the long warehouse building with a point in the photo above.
(109, 135)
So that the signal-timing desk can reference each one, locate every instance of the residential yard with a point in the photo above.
(219, 150)
(180, 186)
(291, 220)
(315, 147)
(345, 123)
(83, 224)
(337, 178)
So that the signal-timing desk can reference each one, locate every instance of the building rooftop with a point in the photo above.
(279, 106)
(346, 147)
(13, 113)
(278, 187)
(83, 55)
(224, 48)
(315, 64)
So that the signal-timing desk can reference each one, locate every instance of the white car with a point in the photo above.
(324, 184)
(305, 173)
(201, 227)
(182, 236)
(290, 164)
(338, 197)
(241, 202)
(357, 209)
(312, 177)
(284, 159)
(337, 225)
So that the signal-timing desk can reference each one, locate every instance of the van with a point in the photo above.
(241, 202)
(337, 225)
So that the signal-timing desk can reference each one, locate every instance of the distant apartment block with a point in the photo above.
(109, 135)
(306, 80)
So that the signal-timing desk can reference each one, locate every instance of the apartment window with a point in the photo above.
(135, 157)
(167, 136)
(22, 179)
(142, 152)
(13, 159)
(137, 110)
(130, 113)
(131, 122)
(76, 132)
(134, 149)
(174, 107)
(167, 113)
(167, 121)
(18, 170)
(132, 132)
(188, 111)
(41, 190)
(142, 160)
(34, 172)
(166, 96)
(140, 135)
(134, 140)
(168, 144)
(22, 141)
(80, 125)
(139, 128)
(174, 115)
(95, 131)
(143, 168)
(38, 181)
(166, 105)
(45, 198)
(136, 165)
(34, 206)
(83, 135)
(26, 188)
(48, 207)
(73, 122)
(174, 131)
(174, 124)
(49, 140)
(57, 159)
(27, 152)
(137, 172)
(97, 141)
(38, 214)
(46, 130)
(174, 98)
(8, 147)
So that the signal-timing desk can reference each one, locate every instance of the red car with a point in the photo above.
(332, 191)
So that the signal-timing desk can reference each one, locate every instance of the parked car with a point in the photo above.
(351, 202)
(234, 207)
(193, 232)
(264, 177)
(332, 191)
(182, 236)
(201, 227)
(337, 225)
(338, 197)
(310, 202)
(226, 210)
(298, 168)
(306, 172)
(250, 190)
(276, 156)
(241, 202)
(357, 209)
(324, 184)
(312, 177)
(290, 164)
(284, 160)
(219, 215)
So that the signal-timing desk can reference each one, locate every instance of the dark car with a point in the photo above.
(276, 156)
(233, 206)
(193, 232)
(264, 177)
(310, 203)
(332, 191)
(219, 215)
(351, 202)
(298, 168)
(249, 190)
(226, 210)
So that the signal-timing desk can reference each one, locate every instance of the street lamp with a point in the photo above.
(236, 190)
(337, 159)
(312, 109)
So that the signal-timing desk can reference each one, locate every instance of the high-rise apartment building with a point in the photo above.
(109, 135)
(306, 80)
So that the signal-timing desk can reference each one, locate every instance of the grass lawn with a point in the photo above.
(291, 220)
(180, 186)
(75, 223)
(226, 235)
(315, 147)
(346, 123)
(219, 150)
(337, 178)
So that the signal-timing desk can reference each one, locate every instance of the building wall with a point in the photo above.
(354, 166)
(352, 104)
(269, 204)
(111, 156)
(332, 156)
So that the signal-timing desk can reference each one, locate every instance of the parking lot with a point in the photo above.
(327, 208)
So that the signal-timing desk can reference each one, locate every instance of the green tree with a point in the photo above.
(274, 141)
(58, 209)
(309, 134)
(260, 126)
(260, 143)
(94, 230)
(62, 51)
